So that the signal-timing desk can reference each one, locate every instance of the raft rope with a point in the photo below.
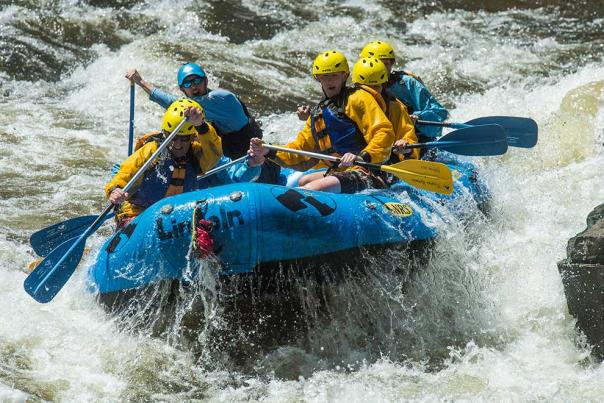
(203, 243)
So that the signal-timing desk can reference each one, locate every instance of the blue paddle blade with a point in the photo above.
(47, 239)
(478, 141)
(520, 132)
(52, 273)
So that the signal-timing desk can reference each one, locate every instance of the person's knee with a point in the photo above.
(305, 180)
(312, 185)
(308, 178)
(328, 184)
(316, 184)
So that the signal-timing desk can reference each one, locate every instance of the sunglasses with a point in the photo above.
(195, 81)
(185, 138)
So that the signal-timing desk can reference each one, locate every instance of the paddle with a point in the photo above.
(131, 125)
(223, 167)
(46, 239)
(432, 176)
(520, 132)
(52, 273)
(474, 141)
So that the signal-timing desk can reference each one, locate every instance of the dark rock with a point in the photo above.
(582, 275)
(596, 215)
(584, 289)
(588, 246)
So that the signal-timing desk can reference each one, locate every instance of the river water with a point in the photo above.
(484, 320)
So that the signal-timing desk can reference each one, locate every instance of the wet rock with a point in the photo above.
(582, 275)
(588, 246)
(596, 215)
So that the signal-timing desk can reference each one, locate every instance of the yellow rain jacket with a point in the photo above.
(404, 129)
(366, 110)
(206, 149)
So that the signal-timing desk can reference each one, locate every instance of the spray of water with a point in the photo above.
(484, 318)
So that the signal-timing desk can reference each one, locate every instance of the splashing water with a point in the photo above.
(484, 318)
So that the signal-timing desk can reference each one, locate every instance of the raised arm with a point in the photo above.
(134, 76)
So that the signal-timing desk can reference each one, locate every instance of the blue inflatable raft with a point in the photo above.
(258, 225)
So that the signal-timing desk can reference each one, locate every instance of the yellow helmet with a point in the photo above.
(176, 113)
(330, 61)
(369, 71)
(379, 49)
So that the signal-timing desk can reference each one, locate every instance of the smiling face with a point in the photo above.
(332, 83)
(180, 146)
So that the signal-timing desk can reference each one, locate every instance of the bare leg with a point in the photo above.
(306, 179)
(325, 184)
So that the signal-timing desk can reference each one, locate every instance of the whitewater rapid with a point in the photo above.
(485, 320)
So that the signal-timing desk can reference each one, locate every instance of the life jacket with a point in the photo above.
(254, 126)
(396, 77)
(333, 131)
(168, 177)
(235, 144)
(147, 137)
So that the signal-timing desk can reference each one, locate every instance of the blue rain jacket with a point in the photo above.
(221, 107)
(421, 102)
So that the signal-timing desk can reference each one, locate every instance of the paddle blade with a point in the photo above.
(47, 239)
(477, 141)
(47, 279)
(427, 175)
(520, 132)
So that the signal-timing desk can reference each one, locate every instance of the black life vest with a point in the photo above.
(235, 144)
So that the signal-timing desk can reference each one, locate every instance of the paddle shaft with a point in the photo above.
(443, 144)
(82, 238)
(319, 156)
(223, 167)
(131, 125)
(151, 160)
(443, 124)
(46, 239)
(482, 140)
(38, 291)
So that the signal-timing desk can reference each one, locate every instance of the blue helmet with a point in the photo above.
(189, 69)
